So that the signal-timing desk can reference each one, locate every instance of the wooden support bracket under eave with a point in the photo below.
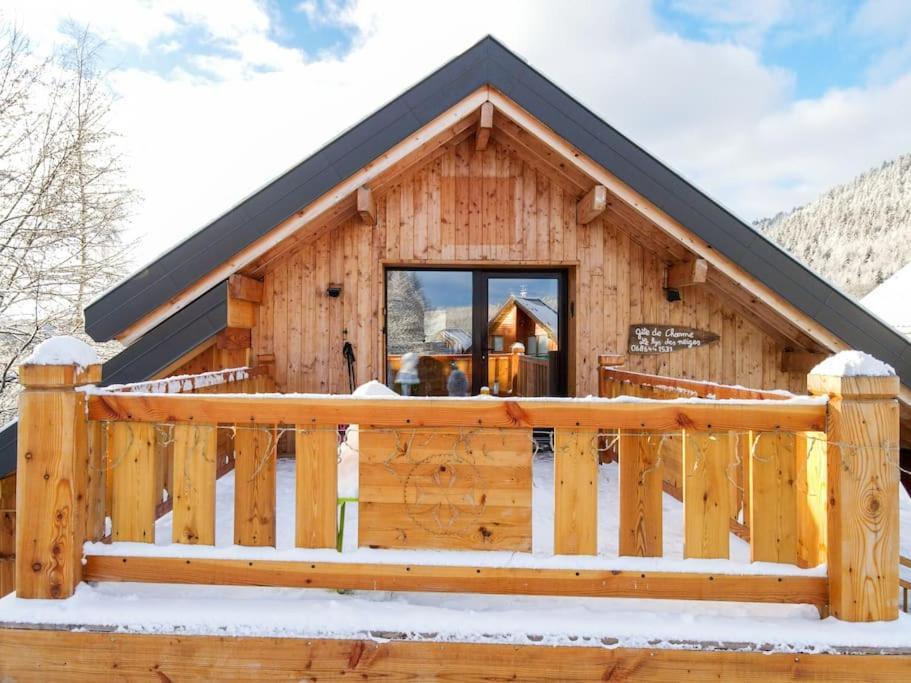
(241, 313)
(245, 288)
(234, 338)
(366, 205)
(591, 205)
(687, 273)
(485, 125)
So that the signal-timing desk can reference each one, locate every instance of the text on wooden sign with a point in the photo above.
(648, 338)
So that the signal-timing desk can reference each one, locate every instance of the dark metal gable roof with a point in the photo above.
(150, 354)
(489, 62)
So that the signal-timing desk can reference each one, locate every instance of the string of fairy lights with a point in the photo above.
(542, 442)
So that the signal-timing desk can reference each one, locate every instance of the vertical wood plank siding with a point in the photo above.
(494, 207)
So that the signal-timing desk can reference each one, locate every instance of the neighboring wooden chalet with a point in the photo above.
(530, 322)
(481, 208)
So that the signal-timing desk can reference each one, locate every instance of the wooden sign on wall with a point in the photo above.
(647, 338)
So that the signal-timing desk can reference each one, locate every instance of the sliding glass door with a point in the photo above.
(450, 332)
(522, 334)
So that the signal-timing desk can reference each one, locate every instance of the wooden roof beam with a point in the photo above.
(245, 288)
(687, 273)
(485, 125)
(366, 205)
(591, 205)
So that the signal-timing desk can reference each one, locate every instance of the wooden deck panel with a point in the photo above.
(42, 655)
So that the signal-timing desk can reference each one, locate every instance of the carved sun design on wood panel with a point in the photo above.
(445, 493)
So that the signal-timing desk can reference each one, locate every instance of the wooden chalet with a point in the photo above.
(490, 224)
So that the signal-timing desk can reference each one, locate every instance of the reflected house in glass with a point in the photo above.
(529, 321)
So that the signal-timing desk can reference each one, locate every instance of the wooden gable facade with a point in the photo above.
(503, 206)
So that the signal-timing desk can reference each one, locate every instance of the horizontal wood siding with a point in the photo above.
(495, 207)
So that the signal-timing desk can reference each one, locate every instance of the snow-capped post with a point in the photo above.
(51, 469)
(862, 433)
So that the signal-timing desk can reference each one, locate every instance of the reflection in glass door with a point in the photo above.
(429, 332)
(452, 332)
(523, 339)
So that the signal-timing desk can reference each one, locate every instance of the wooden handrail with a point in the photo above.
(177, 384)
(690, 387)
(401, 412)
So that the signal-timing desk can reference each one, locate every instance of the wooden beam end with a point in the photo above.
(592, 205)
(366, 205)
(245, 288)
(687, 273)
(485, 125)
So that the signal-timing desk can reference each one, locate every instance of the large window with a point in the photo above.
(429, 332)
(451, 332)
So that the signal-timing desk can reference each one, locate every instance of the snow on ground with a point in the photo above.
(542, 534)
(313, 613)
(604, 622)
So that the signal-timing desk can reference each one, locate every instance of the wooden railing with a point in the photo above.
(509, 373)
(246, 380)
(453, 474)
(614, 381)
(533, 377)
(240, 380)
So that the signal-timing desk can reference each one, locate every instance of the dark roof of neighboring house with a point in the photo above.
(537, 309)
(489, 62)
(150, 354)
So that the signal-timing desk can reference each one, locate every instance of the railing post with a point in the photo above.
(51, 479)
(863, 477)
(516, 352)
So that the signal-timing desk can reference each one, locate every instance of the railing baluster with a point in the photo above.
(316, 451)
(254, 485)
(131, 454)
(812, 497)
(640, 495)
(95, 482)
(705, 494)
(575, 492)
(742, 455)
(195, 449)
(773, 521)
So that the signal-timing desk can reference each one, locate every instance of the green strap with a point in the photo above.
(340, 536)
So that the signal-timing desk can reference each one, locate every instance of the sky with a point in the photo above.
(763, 104)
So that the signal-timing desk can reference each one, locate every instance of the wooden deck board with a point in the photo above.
(39, 655)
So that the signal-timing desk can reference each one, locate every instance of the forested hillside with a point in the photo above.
(855, 235)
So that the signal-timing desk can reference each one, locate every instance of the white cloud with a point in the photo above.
(200, 138)
(751, 23)
(886, 22)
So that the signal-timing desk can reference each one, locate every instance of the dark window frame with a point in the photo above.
(479, 303)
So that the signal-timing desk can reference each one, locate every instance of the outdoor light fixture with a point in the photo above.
(334, 290)
(672, 294)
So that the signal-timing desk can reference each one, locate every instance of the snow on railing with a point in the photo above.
(177, 384)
